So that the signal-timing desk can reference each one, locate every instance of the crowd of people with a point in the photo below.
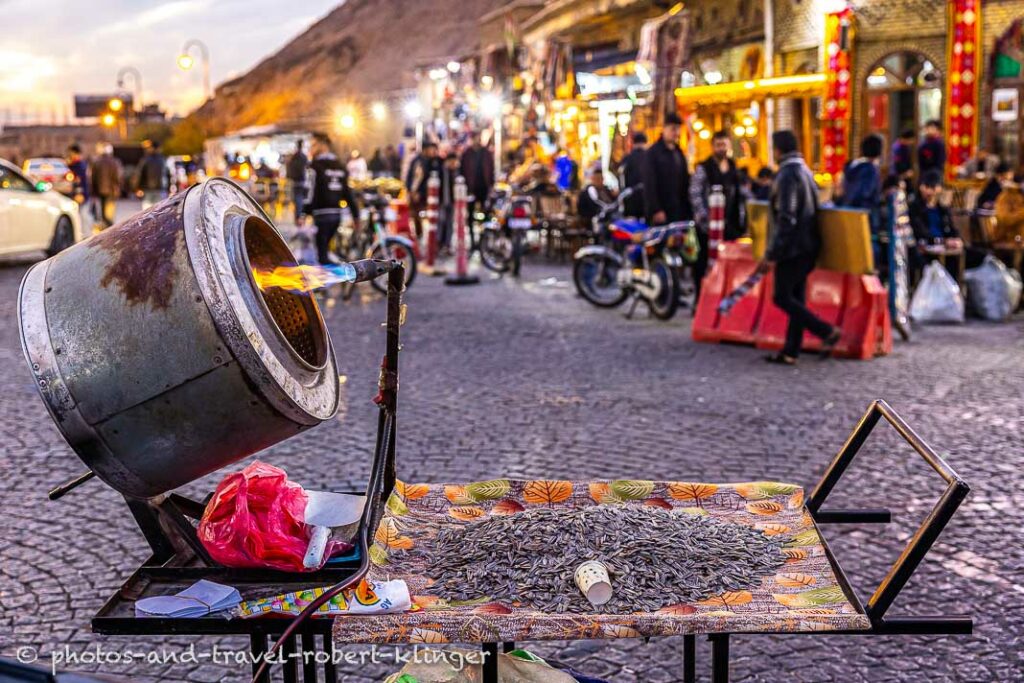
(936, 234)
(98, 182)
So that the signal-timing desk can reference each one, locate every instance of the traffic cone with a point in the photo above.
(433, 215)
(461, 275)
(716, 223)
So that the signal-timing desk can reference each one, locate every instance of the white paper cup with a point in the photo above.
(592, 579)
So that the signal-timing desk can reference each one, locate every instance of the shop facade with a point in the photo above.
(583, 74)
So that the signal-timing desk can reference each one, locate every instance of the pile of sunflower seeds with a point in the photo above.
(655, 557)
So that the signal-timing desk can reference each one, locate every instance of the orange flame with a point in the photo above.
(303, 278)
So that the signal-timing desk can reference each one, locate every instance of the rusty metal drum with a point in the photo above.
(158, 356)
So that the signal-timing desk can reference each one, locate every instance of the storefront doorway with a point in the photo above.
(904, 91)
(1007, 74)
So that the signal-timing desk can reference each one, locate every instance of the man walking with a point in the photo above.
(477, 167)
(632, 169)
(79, 168)
(794, 248)
(295, 172)
(667, 177)
(107, 176)
(425, 163)
(718, 169)
(330, 189)
(151, 176)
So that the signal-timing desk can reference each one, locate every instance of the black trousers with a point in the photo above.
(700, 266)
(326, 226)
(790, 292)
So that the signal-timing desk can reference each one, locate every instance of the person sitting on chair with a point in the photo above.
(932, 223)
(990, 193)
(593, 198)
(1009, 207)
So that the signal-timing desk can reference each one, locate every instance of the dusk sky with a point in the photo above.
(47, 55)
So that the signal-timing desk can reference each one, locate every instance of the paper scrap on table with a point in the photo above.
(201, 598)
(326, 508)
(368, 597)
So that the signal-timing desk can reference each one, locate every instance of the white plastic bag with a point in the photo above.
(937, 298)
(993, 290)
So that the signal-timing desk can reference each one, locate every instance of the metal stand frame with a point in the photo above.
(176, 548)
(896, 578)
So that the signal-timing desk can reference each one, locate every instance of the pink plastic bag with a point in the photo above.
(256, 518)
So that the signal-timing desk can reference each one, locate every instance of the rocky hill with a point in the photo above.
(362, 49)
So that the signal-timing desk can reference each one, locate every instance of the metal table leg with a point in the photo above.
(690, 658)
(719, 657)
(258, 650)
(290, 666)
(330, 670)
(309, 658)
(490, 651)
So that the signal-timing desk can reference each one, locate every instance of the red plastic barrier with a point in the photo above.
(402, 225)
(856, 303)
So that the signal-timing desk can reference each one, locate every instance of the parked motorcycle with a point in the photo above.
(504, 233)
(631, 260)
(372, 240)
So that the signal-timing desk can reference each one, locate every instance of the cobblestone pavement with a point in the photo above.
(526, 380)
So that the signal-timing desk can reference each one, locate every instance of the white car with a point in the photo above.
(33, 218)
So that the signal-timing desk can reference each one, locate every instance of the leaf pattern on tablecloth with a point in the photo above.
(803, 596)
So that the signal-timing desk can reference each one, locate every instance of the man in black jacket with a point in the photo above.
(667, 177)
(330, 189)
(632, 168)
(422, 166)
(477, 167)
(718, 169)
(794, 248)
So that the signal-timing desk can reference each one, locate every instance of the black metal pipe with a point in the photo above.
(919, 626)
(916, 549)
(330, 669)
(689, 658)
(290, 666)
(843, 458)
(258, 650)
(490, 668)
(866, 516)
(719, 657)
(371, 269)
(308, 657)
(63, 489)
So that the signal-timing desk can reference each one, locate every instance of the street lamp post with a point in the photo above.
(186, 62)
(414, 111)
(136, 79)
(491, 106)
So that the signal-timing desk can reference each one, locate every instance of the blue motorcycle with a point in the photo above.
(632, 260)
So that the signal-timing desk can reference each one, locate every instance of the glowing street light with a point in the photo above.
(413, 109)
(347, 122)
(186, 62)
(379, 111)
(115, 104)
(454, 67)
(490, 106)
(136, 78)
(108, 120)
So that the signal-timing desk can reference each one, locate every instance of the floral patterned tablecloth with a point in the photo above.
(804, 595)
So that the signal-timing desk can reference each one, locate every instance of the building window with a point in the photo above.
(903, 92)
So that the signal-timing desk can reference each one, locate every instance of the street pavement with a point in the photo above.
(524, 379)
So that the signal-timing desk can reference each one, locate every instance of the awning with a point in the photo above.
(802, 85)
